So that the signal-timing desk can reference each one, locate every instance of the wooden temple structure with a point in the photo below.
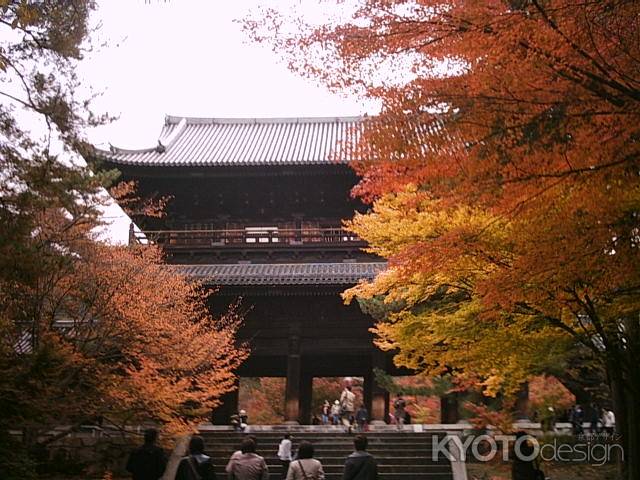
(256, 210)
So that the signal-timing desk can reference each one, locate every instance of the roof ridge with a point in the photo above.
(272, 264)
(175, 119)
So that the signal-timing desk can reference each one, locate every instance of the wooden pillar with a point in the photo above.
(449, 411)
(292, 391)
(306, 392)
(367, 392)
(377, 397)
(221, 415)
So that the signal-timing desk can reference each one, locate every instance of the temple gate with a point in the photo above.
(256, 210)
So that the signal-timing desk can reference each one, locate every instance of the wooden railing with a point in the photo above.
(252, 237)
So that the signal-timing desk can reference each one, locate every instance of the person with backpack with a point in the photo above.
(197, 465)
(347, 406)
(305, 467)
(248, 465)
(360, 465)
(148, 461)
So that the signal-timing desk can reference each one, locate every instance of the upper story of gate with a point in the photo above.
(244, 190)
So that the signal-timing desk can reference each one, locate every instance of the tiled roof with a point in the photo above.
(284, 273)
(243, 141)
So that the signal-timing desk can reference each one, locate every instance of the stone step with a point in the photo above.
(337, 434)
(325, 445)
(332, 438)
(333, 452)
(339, 460)
(275, 475)
(322, 441)
(400, 455)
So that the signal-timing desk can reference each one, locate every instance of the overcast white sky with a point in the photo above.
(189, 57)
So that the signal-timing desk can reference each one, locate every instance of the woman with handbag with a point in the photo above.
(305, 467)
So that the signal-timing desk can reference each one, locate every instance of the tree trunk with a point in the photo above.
(623, 388)
(180, 450)
(632, 452)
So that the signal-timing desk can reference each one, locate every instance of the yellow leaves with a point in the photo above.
(492, 385)
(428, 245)
(26, 14)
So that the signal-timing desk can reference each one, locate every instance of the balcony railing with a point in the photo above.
(250, 237)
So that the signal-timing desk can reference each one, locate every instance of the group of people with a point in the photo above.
(343, 412)
(239, 421)
(360, 465)
(149, 462)
(599, 419)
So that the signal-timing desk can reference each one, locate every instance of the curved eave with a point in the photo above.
(343, 274)
(221, 142)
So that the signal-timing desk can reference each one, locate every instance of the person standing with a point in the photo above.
(305, 467)
(335, 412)
(399, 410)
(238, 453)
(347, 404)
(594, 418)
(577, 417)
(148, 461)
(360, 465)
(523, 467)
(284, 454)
(197, 465)
(608, 421)
(326, 412)
(248, 465)
(362, 418)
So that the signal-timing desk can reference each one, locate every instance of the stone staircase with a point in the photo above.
(400, 455)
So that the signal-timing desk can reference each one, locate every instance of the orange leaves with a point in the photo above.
(148, 332)
(504, 174)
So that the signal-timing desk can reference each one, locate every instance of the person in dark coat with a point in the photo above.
(577, 418)
(360, 465)
(196, 464)
(521, 468)
(148, 461)
(362, 418)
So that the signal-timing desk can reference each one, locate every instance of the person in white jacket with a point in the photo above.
(608, 421)
(284, 454)
(335, 413)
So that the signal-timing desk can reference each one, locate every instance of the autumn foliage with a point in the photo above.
(120, 336)
(503, 171)
(89, 332)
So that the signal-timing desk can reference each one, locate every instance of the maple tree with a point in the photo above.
(87, 330)
(550, 399)
(119, 335)
(262, 399)
(503, 168)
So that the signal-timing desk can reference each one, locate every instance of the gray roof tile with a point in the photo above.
(283, 273)
(244, 141)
